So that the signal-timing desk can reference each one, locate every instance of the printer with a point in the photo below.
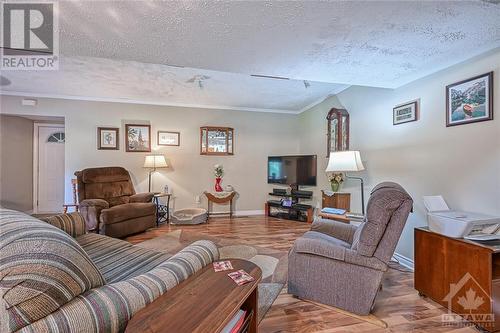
(459, 224)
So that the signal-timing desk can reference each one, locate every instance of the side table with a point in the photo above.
(220, 198)
(162, 211)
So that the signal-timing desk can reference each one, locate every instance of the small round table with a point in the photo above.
(220, 198)
(162, 211)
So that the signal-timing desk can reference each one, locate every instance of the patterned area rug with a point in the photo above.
(273, 263)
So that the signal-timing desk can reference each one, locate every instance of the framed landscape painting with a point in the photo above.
(405, 113)
(166, 138)
(138, 138)
(470, 100)
(107, 138)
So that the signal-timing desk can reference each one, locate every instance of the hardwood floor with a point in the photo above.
(398, 304)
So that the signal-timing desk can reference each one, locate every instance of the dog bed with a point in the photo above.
(189, 216)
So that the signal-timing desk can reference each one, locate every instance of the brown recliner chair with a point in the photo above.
(109, 203)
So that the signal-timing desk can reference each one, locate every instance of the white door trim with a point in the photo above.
(36, 127)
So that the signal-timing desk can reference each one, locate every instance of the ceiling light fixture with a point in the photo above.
(270, 77)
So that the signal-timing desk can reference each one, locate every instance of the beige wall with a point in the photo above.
(16, 163)
(462, 163)
(257, 135)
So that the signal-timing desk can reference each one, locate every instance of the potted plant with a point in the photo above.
(336, 180)
(219, 173)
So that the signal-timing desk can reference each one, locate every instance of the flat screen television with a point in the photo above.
(299, 170)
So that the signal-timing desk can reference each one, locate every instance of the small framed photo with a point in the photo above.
(166, 138)
(138, 138)
(405, 113)
(470, 100)
(107, 138)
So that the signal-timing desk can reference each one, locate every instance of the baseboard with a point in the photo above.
(241, 212)
(403, 261)
(248, 212)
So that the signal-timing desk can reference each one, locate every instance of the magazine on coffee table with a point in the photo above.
(240, 277)
(220, 266)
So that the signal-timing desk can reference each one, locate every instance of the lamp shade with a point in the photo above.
(155, 161)
(341, 161)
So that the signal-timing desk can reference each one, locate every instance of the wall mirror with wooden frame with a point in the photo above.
(338, 130)
(216, 140)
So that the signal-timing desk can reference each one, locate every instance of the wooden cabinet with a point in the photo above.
(337, 200)
(461, 275)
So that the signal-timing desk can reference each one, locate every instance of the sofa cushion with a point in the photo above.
(72, 223)
(118, 260)
(385, 199)
(41, 268)
(127, 212)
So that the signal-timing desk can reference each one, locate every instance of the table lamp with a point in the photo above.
(154, 162)
(344, 161)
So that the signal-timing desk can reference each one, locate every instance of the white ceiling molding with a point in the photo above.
(98, 79)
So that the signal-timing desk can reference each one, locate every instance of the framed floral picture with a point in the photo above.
(166, 138)
(405, 113)
(137, 138)
(470, 100)
(107, 138)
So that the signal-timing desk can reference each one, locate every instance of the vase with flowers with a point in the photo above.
(219, 173)
(336, 180)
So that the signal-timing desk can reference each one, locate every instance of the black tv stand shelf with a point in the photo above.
(296, 211)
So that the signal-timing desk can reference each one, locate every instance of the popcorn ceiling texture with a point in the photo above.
(373, 43)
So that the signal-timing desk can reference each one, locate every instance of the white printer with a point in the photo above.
(459, 224)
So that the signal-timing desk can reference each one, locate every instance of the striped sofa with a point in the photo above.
(55, 277)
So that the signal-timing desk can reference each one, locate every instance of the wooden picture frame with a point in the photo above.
(138, 138)
(224, 147)
(108, 138)
(470, 101)
(405, 113)
(168, 138)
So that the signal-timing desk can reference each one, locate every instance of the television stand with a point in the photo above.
(296, 211)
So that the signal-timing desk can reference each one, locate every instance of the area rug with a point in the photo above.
(273, 263)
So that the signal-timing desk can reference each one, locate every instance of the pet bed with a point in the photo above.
(189, 216)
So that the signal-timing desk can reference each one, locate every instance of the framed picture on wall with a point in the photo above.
(166, 138)
(138, 138)
(108, 138)
(470, 100)
(405, 113)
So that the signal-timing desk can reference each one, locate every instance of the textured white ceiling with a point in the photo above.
(136, 82)
(117, 50)
(374, 43)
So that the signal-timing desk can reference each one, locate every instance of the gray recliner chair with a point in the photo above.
(342, 265)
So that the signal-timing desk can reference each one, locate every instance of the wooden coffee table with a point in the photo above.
(205, 302)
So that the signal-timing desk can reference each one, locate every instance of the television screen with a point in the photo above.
(300, 170)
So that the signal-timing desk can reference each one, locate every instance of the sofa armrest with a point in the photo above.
(319, 248)
(142, 197)
(103, 204)
(71, 223)
(119, 301)
(339, 230)
(327, 250)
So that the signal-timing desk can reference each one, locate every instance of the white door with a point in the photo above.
(50, 169)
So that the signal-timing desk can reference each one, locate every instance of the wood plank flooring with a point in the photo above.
(398, 304)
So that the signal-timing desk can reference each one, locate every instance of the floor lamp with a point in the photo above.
(154, 162)
(348, 161)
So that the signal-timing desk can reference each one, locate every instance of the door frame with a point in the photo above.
(36, 127)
